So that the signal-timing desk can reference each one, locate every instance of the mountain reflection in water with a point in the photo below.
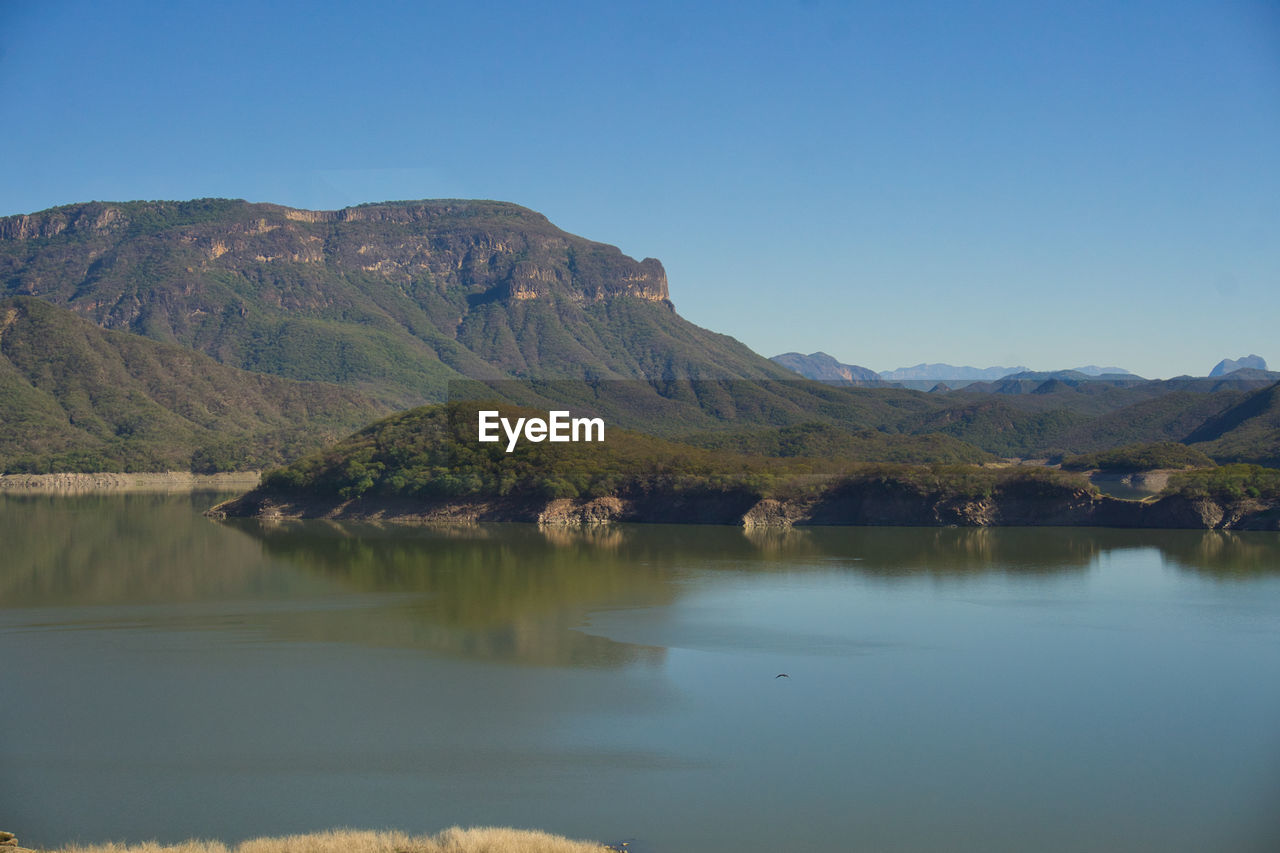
(500, 592)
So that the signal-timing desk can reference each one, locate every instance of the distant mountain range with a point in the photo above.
(822, 367)
(943, 372)
(1094, 370)
(1227, 365)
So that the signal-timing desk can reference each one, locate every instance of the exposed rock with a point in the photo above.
(1231, 365)
(1177, 511)
(772, 513)
(858, 504)
(569, 513)
(485, 249)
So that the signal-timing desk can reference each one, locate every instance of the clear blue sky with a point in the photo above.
(1049, 184)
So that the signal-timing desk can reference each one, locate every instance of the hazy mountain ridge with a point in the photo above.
(943, 372)
(822, 367)
(1094, 370)
(1227, 365)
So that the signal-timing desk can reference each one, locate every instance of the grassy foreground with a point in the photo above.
(454, 840)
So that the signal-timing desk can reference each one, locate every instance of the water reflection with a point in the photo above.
(490, 592)
(514, 557)
(1224, 554)
(906, 552)
(174, 671)
(123, 548)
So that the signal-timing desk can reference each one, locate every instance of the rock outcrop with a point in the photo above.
(487, 250)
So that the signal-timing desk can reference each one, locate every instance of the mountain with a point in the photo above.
(1094, 370)
(75, 397)
(395, 300)
(218, 333)
(1041, 382)
(824, 368)
(935, 372)
(945, 372)
(1228, 365)
(1246, 432)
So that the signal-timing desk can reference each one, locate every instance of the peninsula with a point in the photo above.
(425, 466)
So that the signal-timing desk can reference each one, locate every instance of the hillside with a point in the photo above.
(430, 457)
(1246, 432)
(78, 398)
(822, 367)
(190, 310)
(394, 299)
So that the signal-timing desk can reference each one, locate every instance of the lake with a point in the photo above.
(166, 676)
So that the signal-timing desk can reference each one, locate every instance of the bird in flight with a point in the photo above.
(781, 675)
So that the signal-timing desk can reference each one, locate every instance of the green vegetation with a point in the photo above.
(1149, 415)
(432, 453)
(1228, 483)
(78, 398)
(1246, 432)
(999, 426)
(826, 441)
(955, 482)
(1140, 457)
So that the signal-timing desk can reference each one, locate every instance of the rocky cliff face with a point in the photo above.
(480, 250)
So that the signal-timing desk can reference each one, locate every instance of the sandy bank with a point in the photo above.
(455, 840)
(164, 481)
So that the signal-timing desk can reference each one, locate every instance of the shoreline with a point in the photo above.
(155, 481)
(453, 840)
(870, 505)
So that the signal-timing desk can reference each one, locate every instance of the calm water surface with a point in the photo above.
(164, 676)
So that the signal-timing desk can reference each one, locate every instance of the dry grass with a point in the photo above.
(455, 840)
